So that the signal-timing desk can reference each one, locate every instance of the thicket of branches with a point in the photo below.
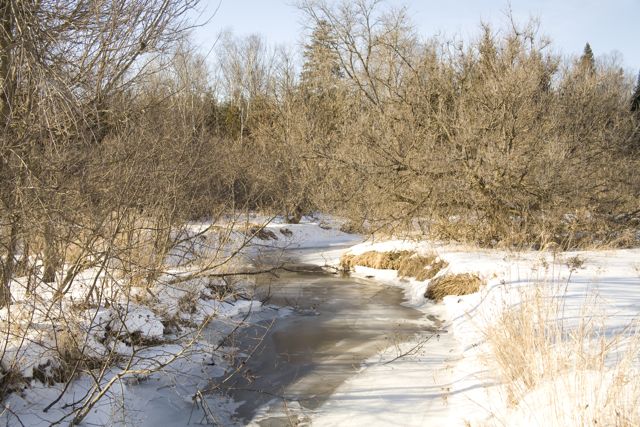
(106, 151)
(105, 111)
(71, 75)
(498, 141)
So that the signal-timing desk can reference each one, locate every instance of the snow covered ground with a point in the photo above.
(453, 381)
(157, 347)
(446, 378)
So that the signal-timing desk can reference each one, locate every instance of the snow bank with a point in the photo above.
(472, 388)
(133, 331)
(448, 381)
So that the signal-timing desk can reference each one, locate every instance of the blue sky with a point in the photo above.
(608, 25)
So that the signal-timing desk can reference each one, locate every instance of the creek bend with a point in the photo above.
(288, 365)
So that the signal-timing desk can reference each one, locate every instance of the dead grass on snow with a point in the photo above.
(532, 345)
(453, 284)
(407, 263)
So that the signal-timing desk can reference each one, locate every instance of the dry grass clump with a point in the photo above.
(522, 340)
(73, 356)
(453, 284)
(139, 251)
(352, 227)
(421, 267)
(373, 259)
(261, 233)
(575, 262)
(573, 369)
(286, 232)
(408, 263)
(11, 380)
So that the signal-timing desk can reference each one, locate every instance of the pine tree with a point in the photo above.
(487, 50)
(322, 67)
(587, 62)
(635, 98)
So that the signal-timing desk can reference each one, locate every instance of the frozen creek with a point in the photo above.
(288, 366)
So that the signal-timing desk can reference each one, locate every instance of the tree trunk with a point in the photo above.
(6, 58)
(9, 265)
(51, 260)
(7, 89)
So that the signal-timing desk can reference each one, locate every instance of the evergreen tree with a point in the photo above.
(487, 50)
(587, 62)
(635, 98)
(322, 67)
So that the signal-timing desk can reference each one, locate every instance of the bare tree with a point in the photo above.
(63, 65)
(492, 142)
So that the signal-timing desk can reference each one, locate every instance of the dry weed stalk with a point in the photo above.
(570, 365)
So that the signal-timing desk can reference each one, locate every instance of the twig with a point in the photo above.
(413, 349)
